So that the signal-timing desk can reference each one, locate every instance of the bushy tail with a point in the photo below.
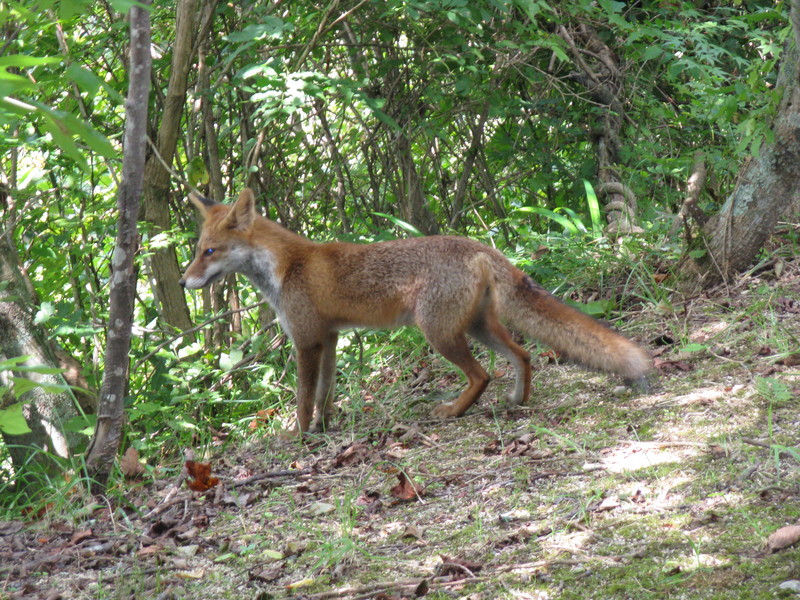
(527, 307)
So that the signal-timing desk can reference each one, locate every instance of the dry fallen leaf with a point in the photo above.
(317, 509)
(129, 464)
(79, 536)
(353, 454)
(263, 417)
(267, 575)
(783, 538)
(201, 476)
(412, 531)
(406, 489)
(194, 574)
(147, 550)
(670, 366)
(790, 361)
(608, 504)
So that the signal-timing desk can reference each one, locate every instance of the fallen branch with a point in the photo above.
(271, 474)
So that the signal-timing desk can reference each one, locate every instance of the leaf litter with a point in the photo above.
(585, 493)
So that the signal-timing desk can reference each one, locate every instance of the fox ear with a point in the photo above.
(243, 212)
(202, 204)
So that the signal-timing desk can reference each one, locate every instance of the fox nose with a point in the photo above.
(182, 282)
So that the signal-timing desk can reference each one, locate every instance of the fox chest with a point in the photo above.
(261, 270)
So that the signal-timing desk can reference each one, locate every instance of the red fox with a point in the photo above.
(450, 287)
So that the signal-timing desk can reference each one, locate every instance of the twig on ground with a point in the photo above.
(271, 474)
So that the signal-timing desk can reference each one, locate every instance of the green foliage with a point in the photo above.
(336, 112)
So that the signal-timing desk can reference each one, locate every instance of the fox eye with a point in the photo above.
(208, 252)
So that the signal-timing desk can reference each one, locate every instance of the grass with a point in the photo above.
(586, 493)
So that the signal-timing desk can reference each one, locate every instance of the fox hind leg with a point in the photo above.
(456, 350)
(490, 332)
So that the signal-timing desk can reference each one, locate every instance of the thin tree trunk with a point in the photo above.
(475, 145)
(108, 432)
(164, 261)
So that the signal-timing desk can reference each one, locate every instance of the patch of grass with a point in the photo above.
(583, 494)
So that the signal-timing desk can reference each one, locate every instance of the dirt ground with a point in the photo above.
(592, 492)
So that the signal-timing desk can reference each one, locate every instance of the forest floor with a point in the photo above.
(589, 493)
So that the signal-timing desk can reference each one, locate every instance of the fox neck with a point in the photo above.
(262, 265)
(260, 268)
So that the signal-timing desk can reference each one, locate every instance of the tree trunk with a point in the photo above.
(164, 262)
(767, 185)
(33, 453)
(108, 432)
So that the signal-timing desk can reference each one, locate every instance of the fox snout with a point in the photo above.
(193, 283)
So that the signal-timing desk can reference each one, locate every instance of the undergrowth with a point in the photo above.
(590, 491)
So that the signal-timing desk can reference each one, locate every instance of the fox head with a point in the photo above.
(224, 242)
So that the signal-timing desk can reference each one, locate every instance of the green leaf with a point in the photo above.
(694, 348)
(197, 173)
(375, 106)
(598, 308)
(401, 224)
(652, 52)
(11, 363)
(123, 6)
(24, 61)
(594, 209)
(46, 310)
(228, 361)
(23, 385)
(12, 421)
(568, 225)
(86, 79)
(270, 27)
(81, 424)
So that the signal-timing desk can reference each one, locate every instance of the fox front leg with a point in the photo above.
(308, 371)
(326, 385)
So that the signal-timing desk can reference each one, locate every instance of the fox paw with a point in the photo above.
(444, 411)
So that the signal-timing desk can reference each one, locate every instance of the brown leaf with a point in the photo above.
(201, 475)
(148, 550)
(670, 366)
(79, 536)
(129, 464)
(493, 447)
(263, 417)
(406, 489)
(783, 538)
(352, 455)
(790, 361)
(412, 531)
(267, 575)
